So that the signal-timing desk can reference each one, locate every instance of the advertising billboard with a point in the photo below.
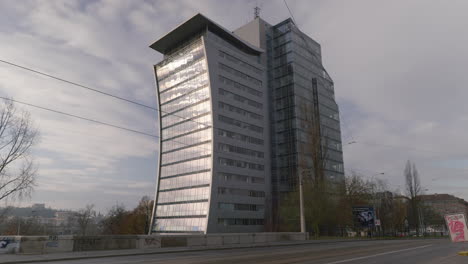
(364, 216)
(456, 224)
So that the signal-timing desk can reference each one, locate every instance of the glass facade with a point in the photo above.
(233, 142)
(303, 98)
(186, 141)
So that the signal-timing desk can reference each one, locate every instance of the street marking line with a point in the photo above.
(380, 254)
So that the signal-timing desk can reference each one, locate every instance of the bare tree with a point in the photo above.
(413, 190)
(4, 213)
(84, 218)
(17, 136)
(114, 221)
(313, 153)
(145, 208)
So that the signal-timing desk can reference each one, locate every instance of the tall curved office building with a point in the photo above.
(228, 149)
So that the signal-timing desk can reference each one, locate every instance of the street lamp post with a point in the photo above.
(301, 203)
(375, 204)
(19, 226)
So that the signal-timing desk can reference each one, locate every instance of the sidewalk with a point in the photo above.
(20, 258)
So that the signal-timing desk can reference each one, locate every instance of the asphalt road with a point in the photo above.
(363, 252)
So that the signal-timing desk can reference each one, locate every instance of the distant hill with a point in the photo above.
(28, 212)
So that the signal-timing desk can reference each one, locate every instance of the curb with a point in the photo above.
(185, 249)
(463, 253)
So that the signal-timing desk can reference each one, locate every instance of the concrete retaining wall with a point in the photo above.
(54, 244)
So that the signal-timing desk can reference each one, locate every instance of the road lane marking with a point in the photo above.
(376, 255)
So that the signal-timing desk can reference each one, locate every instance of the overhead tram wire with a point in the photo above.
(117, 127)
(98, 91)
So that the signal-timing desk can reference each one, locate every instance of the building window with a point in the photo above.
(241, 164)
(240, 150)
(240, 207)
(240, 221)
(239, 178)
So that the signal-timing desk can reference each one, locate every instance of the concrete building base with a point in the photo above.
(63, 244)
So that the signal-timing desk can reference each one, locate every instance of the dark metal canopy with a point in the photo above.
(195, 25)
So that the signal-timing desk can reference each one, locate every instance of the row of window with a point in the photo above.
(241, 164)
(180, 225)
(240, 192)
(239, 86)
(183, 75)
(181, 60)
(246, 65)
(202, 135)
(240, 74)
(283, 70)
(306, 52)
(240, 50)
(202, 163)
(240, 221)
(305, 41)
(239, 111)
(188, 99)
(240, 207)
(179, 209)
(283, 48)
(283, 59)
(192, 179)
(240, 150)
(304, 67)
(186, 126)
(239, 178)
(331, 133)
(334, 155)
(192, 194)
(284, 80)
(283, 38)
(312, 64)
(330, 122)
(330, 165)
(240, 99)
(241, 124)
(240, 137)
(191, 152)
(188, 112)
(192, 84)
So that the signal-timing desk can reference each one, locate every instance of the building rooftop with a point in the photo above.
(442, 197)
(195, 25)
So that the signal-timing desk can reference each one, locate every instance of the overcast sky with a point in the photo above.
(400, 71)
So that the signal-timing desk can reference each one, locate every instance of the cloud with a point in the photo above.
(398, 68)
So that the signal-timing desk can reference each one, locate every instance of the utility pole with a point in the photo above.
(19, 225)
(301, 202)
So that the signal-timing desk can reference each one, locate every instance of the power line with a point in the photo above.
(286, 3)
(79, 117)
(97, 91)
(119, 127)
(77, 84)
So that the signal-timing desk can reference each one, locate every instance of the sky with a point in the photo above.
(399, 69)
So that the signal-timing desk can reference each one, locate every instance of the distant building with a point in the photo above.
(38, 206)
(444, 204)
(64, 217)
(236, 114)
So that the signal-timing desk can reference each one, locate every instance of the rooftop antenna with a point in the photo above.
(256, 11)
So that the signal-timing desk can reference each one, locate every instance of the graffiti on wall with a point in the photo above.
(457, 227)
(8, 245)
